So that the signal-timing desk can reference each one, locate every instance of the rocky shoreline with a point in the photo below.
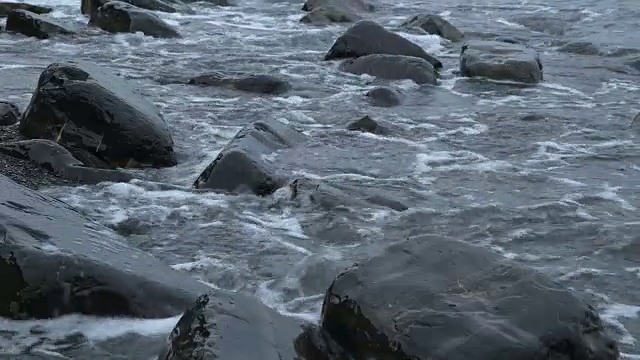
(426, 297)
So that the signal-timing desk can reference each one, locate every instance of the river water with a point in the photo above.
(548, 175)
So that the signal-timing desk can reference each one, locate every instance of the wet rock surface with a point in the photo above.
(99, 114)
(217, 326)
(90, 7)
(392, 67)
(432, 297)
(34, 25)
(367, 124)
(7, 7)
(500, 60)
(367, 37)
(122, 17)
(242, 167)
(383, 97)
(259, 83)
(435, 25)
(9, 113)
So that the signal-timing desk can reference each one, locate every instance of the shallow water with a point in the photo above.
(548, 175)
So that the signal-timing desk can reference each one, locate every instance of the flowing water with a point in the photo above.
(548, 175)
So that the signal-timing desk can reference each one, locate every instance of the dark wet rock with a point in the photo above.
(329, 14)
(383, 97)
(34, 25)
(121, 17)
(367, 37)
(54, 261)
(435, 25)
(261, 84)
(431, 297)
(634, 64)
(316, 344)
(543, 23)
(352, 5)
(635, 123)
(580, 48)
(500, 61)
(9, 113)
(242, 167)
(86, 108)
(218, 327)
(90, 7)
(7, 7)
(59, 160)
(367, 124)
(328, 196)
(392, 67)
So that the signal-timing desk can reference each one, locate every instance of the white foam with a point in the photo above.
(614, 312)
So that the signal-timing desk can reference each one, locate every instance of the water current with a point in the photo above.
(548, 175)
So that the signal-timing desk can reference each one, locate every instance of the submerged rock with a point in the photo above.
(543, 23)
(225, 327)
(9, 113)
(242, 165)
(212, 2)
(431, 297)
(329, 14)
(435, 25)
(121, 17)
(261, 84)
(383, 97)
(367, 38)
(33, 25)
(353, 5)
(54, 261)
(90, 7)
(500, 61)
(7, 7)
(392, 67)
(59, 160)
(367, 124)
(83, 107)
(580, 48)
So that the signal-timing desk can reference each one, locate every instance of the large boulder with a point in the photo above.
(9, 113)
(33, 25)
(242, 166)
(392, 67)
(435, 25)
(499, 60)
(367, 37)
(90, 7)
(53, 156)
(86, 108)
(260, 83)
(54, 261)
(219, 326)
(431, 297)
(7, 7)
(121, 17)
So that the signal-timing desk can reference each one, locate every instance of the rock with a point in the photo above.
(212, 2)
(242, 167)
(54, 262)
(7, 7)
(367, 124)
(218, 327)
(543, 23)
(367, 37)
(315, 344)
(635, 123)
(392, 67)
(329, 14)
(435, 25)
(34, 25)
(84, 107)
(59, 160)
(121, 17)
(500, 61)
(9, 113)
(261, 84)
(353, 5)
(90, 7)
(431, 297)
(383, 97)
(580, 48)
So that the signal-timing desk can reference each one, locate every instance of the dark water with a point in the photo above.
(548, 175)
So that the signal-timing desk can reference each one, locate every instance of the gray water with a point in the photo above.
(547, 175)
